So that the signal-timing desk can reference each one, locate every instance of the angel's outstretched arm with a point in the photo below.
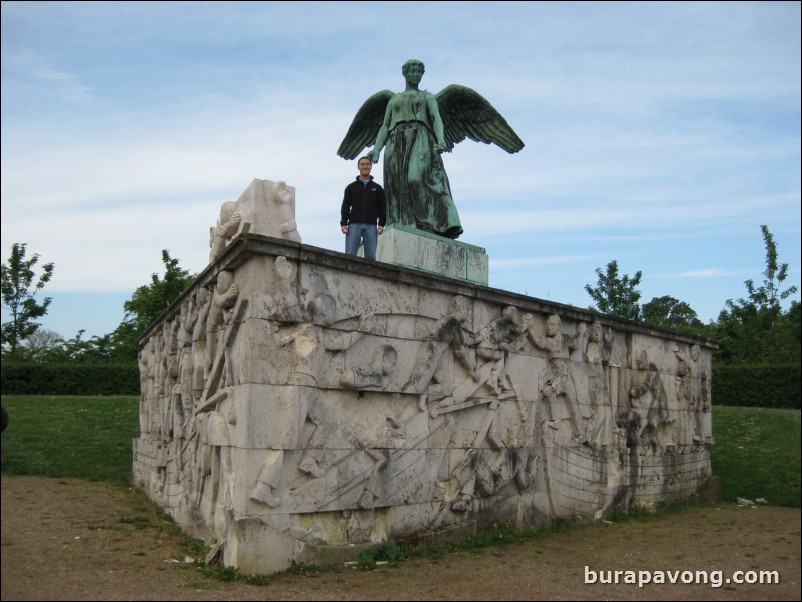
(437, 123)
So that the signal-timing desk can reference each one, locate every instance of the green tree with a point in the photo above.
(41, 343)
(791, 333)
(668, 312)
(755, 329)
(616, 295)
(147, 304)
(17, 279)
(96, 350)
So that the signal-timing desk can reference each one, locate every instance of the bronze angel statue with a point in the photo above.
(414, 127)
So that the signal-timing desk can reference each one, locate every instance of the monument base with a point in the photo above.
(302, 406)
(407, 246)
(325, 405)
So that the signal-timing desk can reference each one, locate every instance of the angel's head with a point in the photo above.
(412, 65)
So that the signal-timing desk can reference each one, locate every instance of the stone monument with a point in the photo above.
(300, 404)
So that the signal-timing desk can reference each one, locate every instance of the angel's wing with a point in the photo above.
(365, 125)
(466, 114)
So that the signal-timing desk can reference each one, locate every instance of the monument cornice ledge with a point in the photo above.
(247, 245)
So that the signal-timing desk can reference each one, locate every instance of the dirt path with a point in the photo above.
(66, 539)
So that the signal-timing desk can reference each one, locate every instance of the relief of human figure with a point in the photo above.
(691, 394)
(648, 419)
(213, 471)
(309, 342)
(221, 234)
(203, 303)
(495, 343)
(493, 461)
(142, 361)
(280, 215)
(168, 376)
(486, 357)
(597, 355)
(352, 474)
(224, 298)
(282, 302)
(431, 376)
(375, 373)
(701, 394)
(683, 390)
(266, 208)
(182, 391)
(559, 386)
(149, 403)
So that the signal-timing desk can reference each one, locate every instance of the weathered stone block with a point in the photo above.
(409, 247)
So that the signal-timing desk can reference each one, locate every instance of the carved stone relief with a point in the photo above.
(334, 407)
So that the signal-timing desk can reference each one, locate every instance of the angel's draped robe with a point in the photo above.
(415, 181)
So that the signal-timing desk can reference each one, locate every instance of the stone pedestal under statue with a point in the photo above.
(409, 247)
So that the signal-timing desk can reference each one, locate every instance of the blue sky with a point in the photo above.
(660, 135)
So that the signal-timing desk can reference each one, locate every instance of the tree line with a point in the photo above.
(23, 339)
(751, 330)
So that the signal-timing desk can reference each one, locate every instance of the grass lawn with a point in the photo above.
(757, 454)
(63, 436)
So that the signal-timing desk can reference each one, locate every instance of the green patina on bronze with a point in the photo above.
(414, 127)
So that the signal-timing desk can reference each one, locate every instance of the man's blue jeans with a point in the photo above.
(365, 233)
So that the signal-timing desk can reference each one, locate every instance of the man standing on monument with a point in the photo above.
(364, 212)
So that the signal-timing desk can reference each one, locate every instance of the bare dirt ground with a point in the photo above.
(66, 539)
